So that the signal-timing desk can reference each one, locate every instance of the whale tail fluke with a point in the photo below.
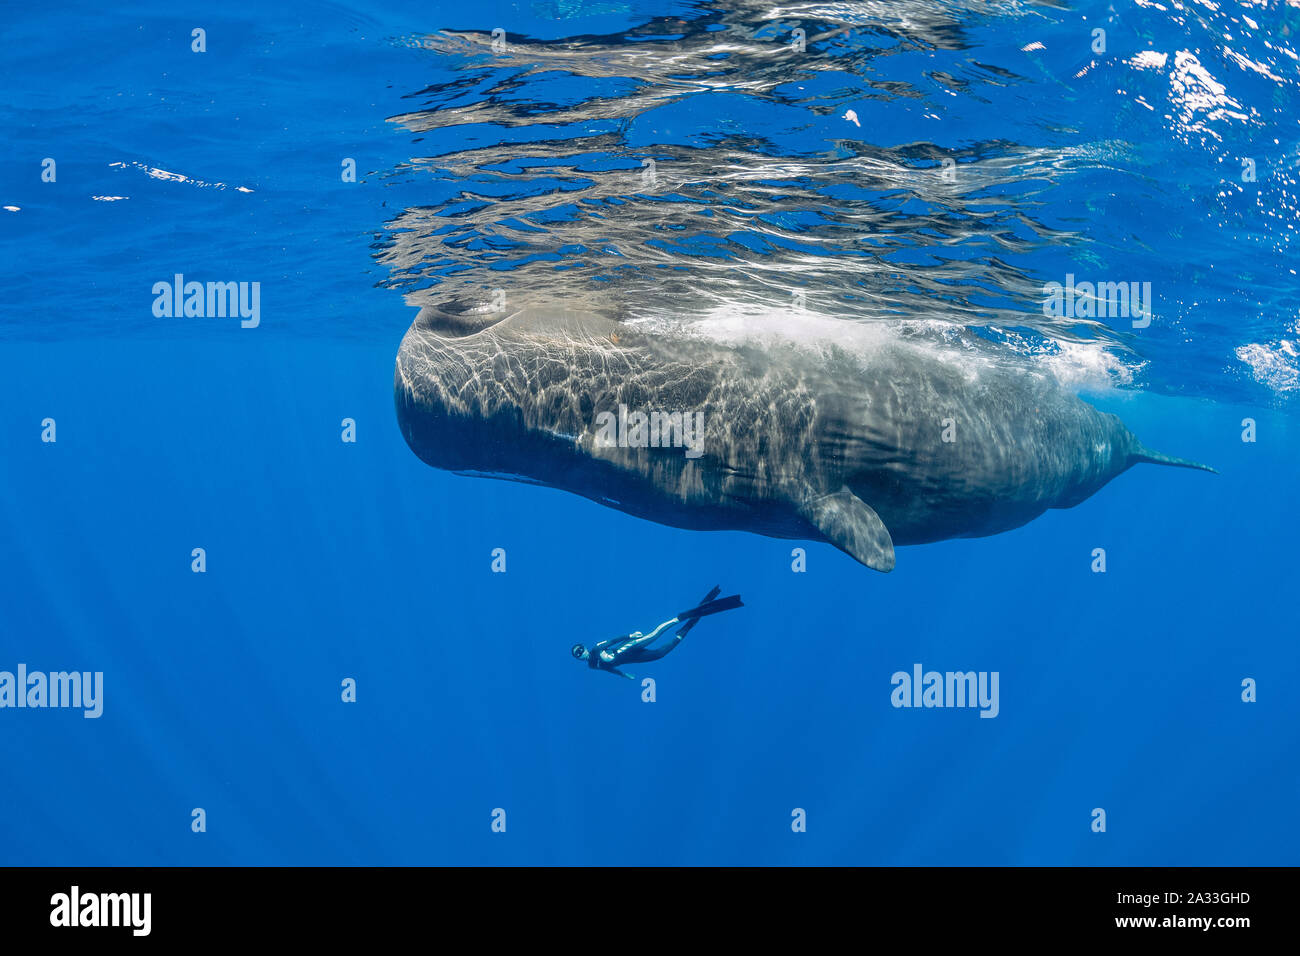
(1154, 457)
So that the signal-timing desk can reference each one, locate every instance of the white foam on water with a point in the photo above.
(1076, 365)
(1087, 365)
(1275, 366)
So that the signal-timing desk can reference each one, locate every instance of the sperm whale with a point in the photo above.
(866, 450)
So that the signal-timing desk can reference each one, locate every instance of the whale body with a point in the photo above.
(896, 444)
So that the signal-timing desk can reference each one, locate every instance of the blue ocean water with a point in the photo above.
(522, 170)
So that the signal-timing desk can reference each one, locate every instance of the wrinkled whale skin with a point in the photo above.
(824, 444)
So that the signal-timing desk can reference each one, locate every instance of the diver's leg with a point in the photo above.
(660, 629)
(645, 639)
(633, 644)
(635, 649)
(654, 653)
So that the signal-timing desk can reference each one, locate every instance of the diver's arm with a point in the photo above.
(615, 670)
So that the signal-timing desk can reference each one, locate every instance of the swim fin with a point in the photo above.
(686, 628)
(711, 607)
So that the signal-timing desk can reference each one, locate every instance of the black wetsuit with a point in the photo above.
(644, 652)
(633, 655)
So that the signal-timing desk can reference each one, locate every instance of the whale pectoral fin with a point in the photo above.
(849, 523)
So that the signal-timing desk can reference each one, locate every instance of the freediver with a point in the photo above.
(634, 648)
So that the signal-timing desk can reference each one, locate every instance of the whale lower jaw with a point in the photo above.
(499, 476)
